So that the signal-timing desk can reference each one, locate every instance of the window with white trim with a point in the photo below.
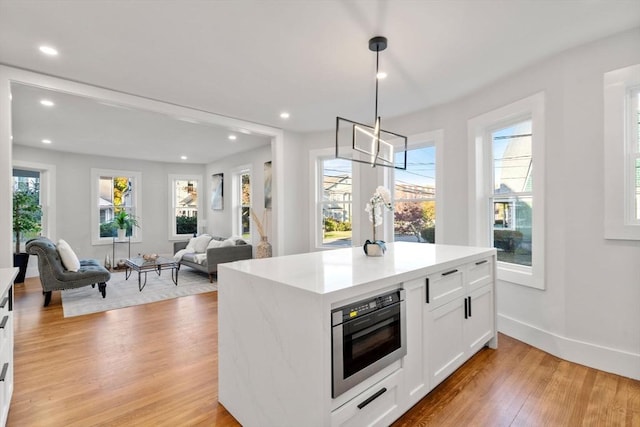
(622, 153)
(244, 207)
(414, 193)
(185, 204)
(507, 196)
(114, 191)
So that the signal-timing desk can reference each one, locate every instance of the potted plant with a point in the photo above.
(124, 222)
(26, 219)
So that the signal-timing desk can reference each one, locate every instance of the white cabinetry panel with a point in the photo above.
(415, 364)
(378, 406)
(6, 340)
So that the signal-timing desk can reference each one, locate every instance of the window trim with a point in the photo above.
(481, 185)
(619, 147)
(172, 195)
(95, 209)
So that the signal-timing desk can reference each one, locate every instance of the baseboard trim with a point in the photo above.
(584, 353)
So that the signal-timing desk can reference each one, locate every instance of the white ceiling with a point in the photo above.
(90, 126)
(252, 59)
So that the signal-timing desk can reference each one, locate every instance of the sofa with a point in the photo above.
(205, 252)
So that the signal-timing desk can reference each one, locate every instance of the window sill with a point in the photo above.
(518, 274)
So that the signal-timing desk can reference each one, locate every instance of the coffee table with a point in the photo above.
(141, 265)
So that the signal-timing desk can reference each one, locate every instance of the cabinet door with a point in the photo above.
(445, 335)
(479, 327)
(415, 365)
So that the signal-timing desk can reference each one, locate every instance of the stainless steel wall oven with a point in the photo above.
(367, 336)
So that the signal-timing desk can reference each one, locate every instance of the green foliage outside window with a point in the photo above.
(186, 224)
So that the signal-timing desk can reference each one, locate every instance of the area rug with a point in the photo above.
(124, 293)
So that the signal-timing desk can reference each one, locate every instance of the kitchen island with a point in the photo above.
(275, 346)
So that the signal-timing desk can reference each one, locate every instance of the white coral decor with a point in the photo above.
(381, 198)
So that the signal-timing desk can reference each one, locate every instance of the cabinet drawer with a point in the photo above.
(378, 406)
(480, 273)
(445, 286)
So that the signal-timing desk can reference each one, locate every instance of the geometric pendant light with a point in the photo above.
(368, 144)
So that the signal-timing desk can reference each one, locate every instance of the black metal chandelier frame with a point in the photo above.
(381, 152)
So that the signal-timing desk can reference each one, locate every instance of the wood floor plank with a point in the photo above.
(157, 364)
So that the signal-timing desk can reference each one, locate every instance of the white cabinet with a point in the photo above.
(460, 318)
(415, 364)
(379, 405)
(479, 326)
(445, 336)
(6, 340)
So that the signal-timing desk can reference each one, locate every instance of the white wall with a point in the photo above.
(590, 311)
(73, 199)
(219, 223)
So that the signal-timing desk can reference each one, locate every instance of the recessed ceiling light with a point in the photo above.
(48, 50)
(233, 137)
(246, 132)
(46, 141)
(47, 103)
(381, 75)
(183, 157)
(284, 115)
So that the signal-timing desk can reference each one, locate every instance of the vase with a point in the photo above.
(376, 248)
(107, 262)
(263, 250)
(122, 232)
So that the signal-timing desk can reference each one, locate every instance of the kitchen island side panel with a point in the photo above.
(272, 343)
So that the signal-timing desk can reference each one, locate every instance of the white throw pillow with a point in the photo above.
(214, 244)
(227, 242)
(202, 242)
(68, 257)
(199, 244)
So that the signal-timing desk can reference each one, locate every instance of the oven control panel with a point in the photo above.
(360, 308)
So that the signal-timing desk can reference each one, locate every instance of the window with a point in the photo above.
(415, 197)
(335, 201)
(507, 191)
(29, 182)
(512, 202)
(243, 207)
(113, 192)
(185, 205)
(622, 153)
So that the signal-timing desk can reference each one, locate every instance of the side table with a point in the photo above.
(113, 250)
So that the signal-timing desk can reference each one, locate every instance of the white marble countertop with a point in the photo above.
(334, 270)
(6, 277)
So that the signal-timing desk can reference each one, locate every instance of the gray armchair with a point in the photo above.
(54, 276)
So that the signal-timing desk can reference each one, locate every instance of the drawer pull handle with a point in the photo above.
(372, 398)
(5, 319)
(4, 302)
(469, 306)
(5, 368)
(466, 308)
(450, 272)
(426, 282)
(481, 262)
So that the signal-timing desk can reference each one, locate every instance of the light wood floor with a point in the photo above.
(156, 364)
